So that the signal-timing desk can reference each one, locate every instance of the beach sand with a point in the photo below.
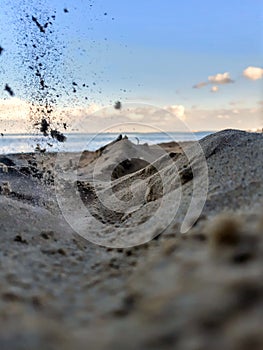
(150, 286)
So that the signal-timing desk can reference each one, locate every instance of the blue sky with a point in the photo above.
(154, 52)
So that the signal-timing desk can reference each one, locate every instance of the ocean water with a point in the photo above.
(23, 143)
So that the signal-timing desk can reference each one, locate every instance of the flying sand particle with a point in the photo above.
(9, 90)
(58, 136)
(41, 28)
(117, 105)
(44, 127)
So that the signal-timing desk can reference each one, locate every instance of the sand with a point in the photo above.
(151, 286)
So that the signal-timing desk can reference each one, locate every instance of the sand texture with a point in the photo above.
(147, 285)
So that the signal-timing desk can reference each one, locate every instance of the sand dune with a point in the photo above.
(201, 289)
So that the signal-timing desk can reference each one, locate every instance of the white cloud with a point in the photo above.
(93, 118)
(214, 88)
(200, 85)
(135, 117)
(253, 73)
(223, 116)
(14, 109)
(177, 110)
(219, 78)
(79, 111)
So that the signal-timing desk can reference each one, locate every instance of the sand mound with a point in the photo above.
(202, 289)
(158, 190)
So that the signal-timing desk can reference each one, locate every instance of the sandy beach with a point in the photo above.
(94, 252)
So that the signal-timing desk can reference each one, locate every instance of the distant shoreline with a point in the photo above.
(76, 142)
(113, 133)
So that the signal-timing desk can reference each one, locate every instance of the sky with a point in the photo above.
(198, 61)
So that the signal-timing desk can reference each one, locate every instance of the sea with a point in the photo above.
(77, 142)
